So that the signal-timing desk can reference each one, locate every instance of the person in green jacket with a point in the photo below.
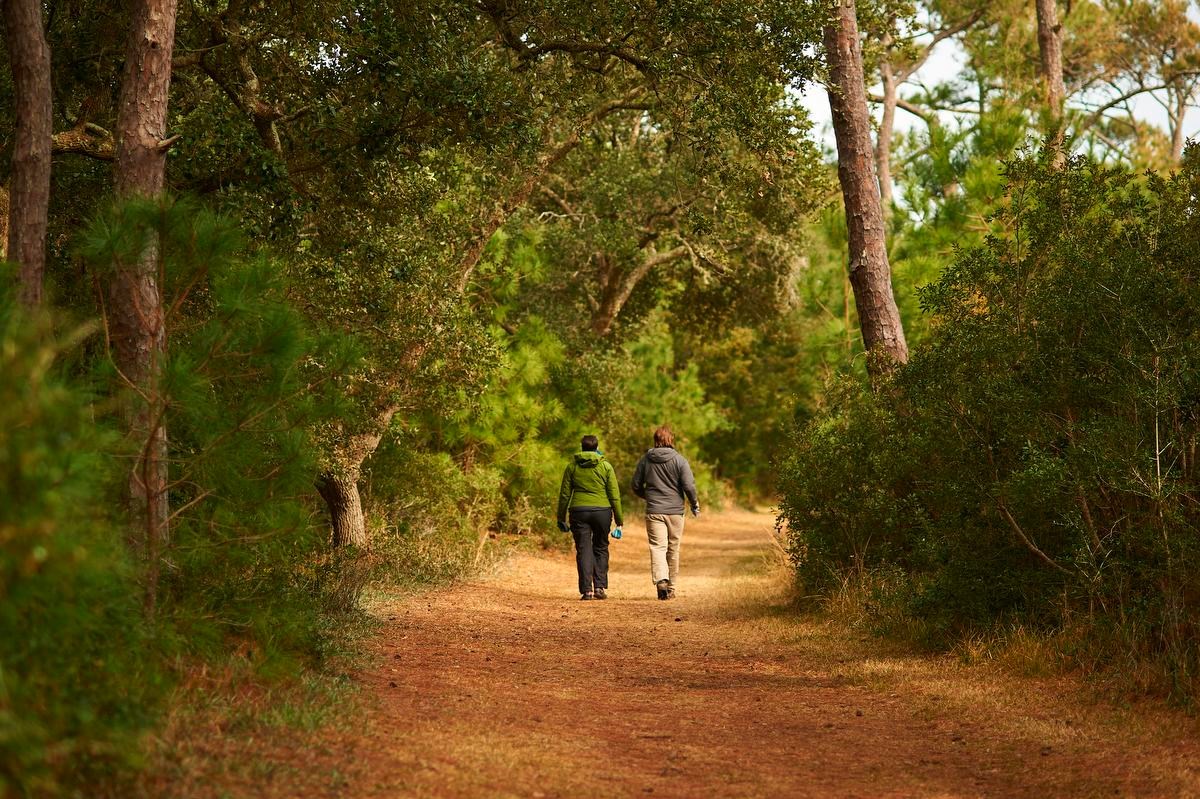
(590, 492)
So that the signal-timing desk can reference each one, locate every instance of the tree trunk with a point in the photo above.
(339, 488)
(29, 195)
(883, 144)
(137, 324)
(340, 493)
(870, 273)
(1050, 49)
(1178, 112)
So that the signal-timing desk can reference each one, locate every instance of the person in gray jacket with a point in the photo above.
(664, 479)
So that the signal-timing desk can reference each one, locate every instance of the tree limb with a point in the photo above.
(520, 193)
(926, 116)
(86, 139)
(1032, 547)
(939, 36)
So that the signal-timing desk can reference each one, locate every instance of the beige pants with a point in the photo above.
(664, 533)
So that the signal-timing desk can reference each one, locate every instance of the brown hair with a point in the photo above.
(663, 437)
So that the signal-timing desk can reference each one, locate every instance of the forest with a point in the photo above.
(308, 302)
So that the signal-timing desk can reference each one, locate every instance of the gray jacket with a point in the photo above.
(663, 478)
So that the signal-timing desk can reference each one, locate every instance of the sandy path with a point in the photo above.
(512, 687)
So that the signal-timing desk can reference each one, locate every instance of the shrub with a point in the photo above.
(75, 687)
(1036, 458)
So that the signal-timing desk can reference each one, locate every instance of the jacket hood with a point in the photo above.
(661, 454)
(588, 460)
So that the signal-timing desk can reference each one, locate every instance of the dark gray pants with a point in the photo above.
(589, 528)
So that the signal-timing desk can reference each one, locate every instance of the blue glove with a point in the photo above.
(562, 527)
(616, 533)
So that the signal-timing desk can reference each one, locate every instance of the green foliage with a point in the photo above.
(83, 669)
(494, 464)
(430, 518)
(240, 401)
(651, 385)
(1035, 458)
(76, 687)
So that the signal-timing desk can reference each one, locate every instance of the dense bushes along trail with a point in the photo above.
(512, 687)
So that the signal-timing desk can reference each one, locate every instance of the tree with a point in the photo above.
(29, 198)
(1050, 51)
(136, 315)
(899, 61)
(870, 273)
(393, 262)
(637, 217)
(1157, 54)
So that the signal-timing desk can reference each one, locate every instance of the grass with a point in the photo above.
(1017, 681)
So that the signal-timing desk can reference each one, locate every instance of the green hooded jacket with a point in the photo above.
(589, 482)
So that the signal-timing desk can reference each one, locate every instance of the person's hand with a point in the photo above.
(616, 533)
(562, 527)
(696, 510)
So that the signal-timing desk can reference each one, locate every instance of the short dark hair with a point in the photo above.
(590, 443)
(663, 437)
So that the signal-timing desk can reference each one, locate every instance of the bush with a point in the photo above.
(240, 402)
(1035, 461)
(75, 687)
(84, 667)
(431, 518)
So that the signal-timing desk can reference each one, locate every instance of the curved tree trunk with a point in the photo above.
(339, 488)
(340, 493)
(618, 286)
(29, 195)
(137, 323)
(870, 272)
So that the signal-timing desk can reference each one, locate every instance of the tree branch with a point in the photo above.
(86, 139)
(1028, 543)
(926, 116)
(520, 193)
(939, 36)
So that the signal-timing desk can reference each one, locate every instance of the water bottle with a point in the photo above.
(616, 533)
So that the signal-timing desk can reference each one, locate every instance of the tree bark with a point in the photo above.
(870, 272)
(340, 493)
(1178, 98)
(339, 488)
(1049, 33)
(883, 144)
(137, 323)
(29, 195)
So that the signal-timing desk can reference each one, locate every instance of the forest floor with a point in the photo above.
(509, 686)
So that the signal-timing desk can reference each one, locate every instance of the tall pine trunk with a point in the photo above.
(1049, 33)
(29, 195)
(870, 272)
(883, 142)
(136, 318)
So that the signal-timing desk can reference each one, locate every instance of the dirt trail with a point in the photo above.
(512, 687)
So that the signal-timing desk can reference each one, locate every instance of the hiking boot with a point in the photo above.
(663, 587)
(588, 595)
(670, 592)
(601, 594)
